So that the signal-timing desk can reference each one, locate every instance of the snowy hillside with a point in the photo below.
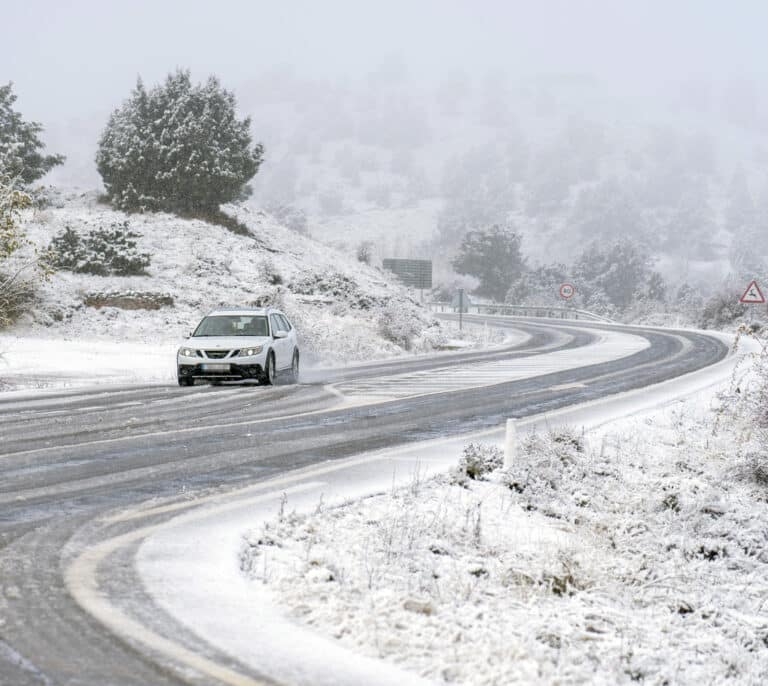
(344, 310)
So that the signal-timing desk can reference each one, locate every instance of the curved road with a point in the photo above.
(69, 460)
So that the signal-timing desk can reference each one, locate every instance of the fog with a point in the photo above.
(410, 122)
(75, 58)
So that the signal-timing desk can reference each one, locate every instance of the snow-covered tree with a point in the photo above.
(539, 286)
(493, 256)
(21, 149)
(17, 255)
(618, 273)
(177, 147)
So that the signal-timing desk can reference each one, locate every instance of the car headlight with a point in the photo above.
(188, 352)
(250, 352)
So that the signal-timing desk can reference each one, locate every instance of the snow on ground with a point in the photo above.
(191, 566)
(344, 310)
(29, 362)
(636, 552)
(204, 266)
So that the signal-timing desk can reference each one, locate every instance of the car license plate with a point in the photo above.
(215, 367)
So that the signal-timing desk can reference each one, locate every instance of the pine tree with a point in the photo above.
(20, 146)
(493, 256)
(177, 147)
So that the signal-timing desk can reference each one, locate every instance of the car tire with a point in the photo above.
(268, 378)
(185, 381)
(295, 367)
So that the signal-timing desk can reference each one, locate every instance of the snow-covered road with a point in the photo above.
(190, 565)
(88, 475)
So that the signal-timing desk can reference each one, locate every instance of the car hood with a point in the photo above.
(226, 342)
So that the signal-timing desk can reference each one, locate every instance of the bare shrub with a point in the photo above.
(269, 273)
(721, 311)
(365, 252)
(15, 299)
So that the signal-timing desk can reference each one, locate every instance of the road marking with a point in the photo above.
(567, 387)
(81, 575)
(81, 578)
(609, 346)
(393, 388)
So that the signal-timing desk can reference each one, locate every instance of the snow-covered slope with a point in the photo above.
(343, 309)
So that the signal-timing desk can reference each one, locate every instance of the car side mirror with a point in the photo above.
(280, 334)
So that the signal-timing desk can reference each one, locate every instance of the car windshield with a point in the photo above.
(233, 325)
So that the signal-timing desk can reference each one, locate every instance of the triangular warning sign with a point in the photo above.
(753, 295)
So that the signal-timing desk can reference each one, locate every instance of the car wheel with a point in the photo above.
(295, 367)
(268, 378)
(185, 381)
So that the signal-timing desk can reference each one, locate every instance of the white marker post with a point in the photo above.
(510, 444)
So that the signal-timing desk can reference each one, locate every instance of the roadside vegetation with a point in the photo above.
(22, 159)
(21, 266)
(178, 147)
(635, 553)
(101, 251)
(22, 162)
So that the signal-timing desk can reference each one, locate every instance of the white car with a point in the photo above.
(254, 343)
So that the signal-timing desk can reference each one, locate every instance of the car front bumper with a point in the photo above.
(236, 370)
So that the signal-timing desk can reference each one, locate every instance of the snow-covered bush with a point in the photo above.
(269, 272)
(177, 147)
(103, 252)
(721, 310)
(16, 254)
(334, 284)
(477, 461)
(399, 325)
(544, 464)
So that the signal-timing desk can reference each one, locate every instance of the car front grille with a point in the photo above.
(216, 354)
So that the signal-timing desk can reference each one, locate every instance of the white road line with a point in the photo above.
(81, 578)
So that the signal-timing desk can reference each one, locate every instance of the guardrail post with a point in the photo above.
(510, 443)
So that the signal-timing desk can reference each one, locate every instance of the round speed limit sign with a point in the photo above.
(567, 291)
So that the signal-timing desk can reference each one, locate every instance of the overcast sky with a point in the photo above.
(68, 57)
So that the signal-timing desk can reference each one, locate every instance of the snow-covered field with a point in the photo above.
(636, 552)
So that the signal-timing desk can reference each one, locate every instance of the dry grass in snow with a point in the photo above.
(639, 554)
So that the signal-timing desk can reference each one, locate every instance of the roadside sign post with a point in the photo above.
(412, 273)
(461, 307)
(752, 296)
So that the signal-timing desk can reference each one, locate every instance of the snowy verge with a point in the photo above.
(34, 363)
(38, 363)
(192, 566)
(633, 553)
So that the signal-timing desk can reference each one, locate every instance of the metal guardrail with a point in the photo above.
(521, 311)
